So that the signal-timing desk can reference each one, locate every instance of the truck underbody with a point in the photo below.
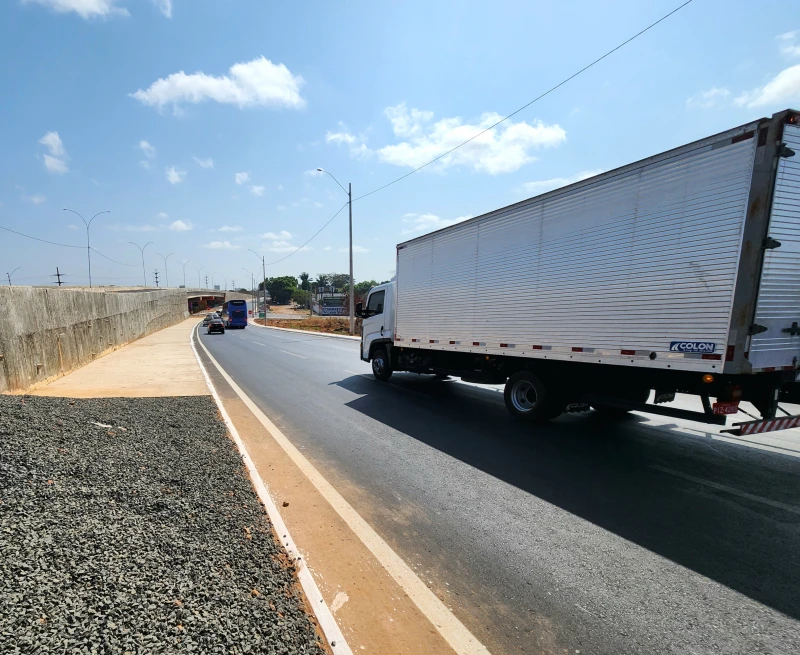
(539, 390)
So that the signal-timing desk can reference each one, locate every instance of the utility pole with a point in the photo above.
(156, 274)
(199, 281)
(166, 271)
(88, 247)
(349, 192)
(264, 273)
(212, 278)
(58, 275)
(144, 274)
(8, 275)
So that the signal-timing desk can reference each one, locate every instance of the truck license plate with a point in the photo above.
(725, 408)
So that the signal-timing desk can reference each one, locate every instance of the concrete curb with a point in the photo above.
(319, 334)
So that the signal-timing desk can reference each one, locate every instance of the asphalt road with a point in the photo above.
(637, 536)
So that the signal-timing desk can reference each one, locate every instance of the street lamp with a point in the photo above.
(166, 273)
(199, 283)
(264, 272)
(141, 248)
(8, 275)
(252, 282)
(212, 279)
(349, 192)
(184, 271)
(88, 247)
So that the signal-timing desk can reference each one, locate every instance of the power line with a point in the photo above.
(277, 261)
(113, 260)
(28, 236)
(525, 106)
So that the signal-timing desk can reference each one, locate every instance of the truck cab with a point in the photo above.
(377, 329)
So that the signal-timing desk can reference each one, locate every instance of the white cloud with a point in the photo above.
(136, 228)
(327, 248)
(164, 6)
(355, 249)
(36, 198)
(72, 227)
(782, 90)
(714, 97)
(257, 190)
(281, 208)
(55, 162)
(181, 226)
(429, 222)
(84, 8)
(282, 235)
(318, 205)
(504, 149)
(55, 165)
(204, 163)
(241, 178)
(313, 173)
(280, 187)
(148, 149)
(356, 144)
(284, 246)
(230, 228)
(221, 245)
(175, 176)
(339, 137)
(790, 43)
(542, 186)
(53, 143)
(254, 83)
(162, 215)
(145, 164)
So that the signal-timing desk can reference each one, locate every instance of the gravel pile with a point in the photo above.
(130, 526)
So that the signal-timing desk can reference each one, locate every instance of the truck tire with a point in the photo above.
(527, 398)
(381, 365)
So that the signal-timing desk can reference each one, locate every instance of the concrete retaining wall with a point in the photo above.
(46, 333)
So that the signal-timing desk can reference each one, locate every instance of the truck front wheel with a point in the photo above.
(527, 398)
(381, 365)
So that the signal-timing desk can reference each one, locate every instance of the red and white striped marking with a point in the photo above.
(757, 427)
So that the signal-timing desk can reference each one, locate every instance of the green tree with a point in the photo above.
(362, 288)
(281, 289)
(322, 280)
(305, 284)
(339, 281)
(301, 297)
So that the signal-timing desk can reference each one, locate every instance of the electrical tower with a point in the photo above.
(206, 281)
(156, 274)
(58, 276)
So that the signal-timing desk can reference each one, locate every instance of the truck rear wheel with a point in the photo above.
(527, 398)
(381, 365)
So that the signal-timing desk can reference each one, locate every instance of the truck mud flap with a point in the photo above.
(767, 425)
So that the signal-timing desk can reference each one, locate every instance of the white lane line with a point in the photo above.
(461, 640)
(323, 613)
(726, 489)
(295, 354)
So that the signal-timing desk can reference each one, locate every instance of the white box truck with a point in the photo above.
(678, 273)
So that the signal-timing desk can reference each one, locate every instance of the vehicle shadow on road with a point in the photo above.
(603, 471)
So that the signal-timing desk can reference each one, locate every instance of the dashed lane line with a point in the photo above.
(295, 354)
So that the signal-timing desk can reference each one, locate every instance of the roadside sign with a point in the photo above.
(261, 314)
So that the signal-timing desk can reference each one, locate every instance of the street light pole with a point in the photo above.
(88, 246)
(199, 283)
(252, 282)
(184, 271)
(349, 192)
(144, 274)
(8, 275)
(166, 273)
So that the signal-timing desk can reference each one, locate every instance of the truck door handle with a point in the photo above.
(381, 330)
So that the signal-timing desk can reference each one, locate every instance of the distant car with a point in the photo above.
(208, 318)
(216, 325)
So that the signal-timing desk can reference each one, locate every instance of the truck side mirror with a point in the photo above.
(360, 310)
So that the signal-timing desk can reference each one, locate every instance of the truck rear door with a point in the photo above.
(778, 307)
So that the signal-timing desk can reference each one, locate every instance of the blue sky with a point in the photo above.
(199, 123)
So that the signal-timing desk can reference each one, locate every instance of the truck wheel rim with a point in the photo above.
(377, 364)
(523, 396)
